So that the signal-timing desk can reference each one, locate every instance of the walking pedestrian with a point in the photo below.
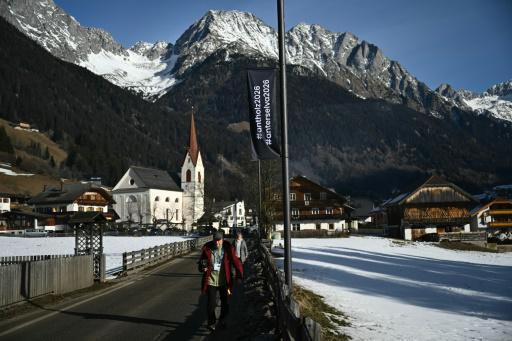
(217, 259)
(241, 247)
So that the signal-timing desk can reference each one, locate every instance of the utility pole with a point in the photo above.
(284, 142)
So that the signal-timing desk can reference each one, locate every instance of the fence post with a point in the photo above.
(125, 262)
(103, 268)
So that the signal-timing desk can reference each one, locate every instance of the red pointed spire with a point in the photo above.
(193, 148)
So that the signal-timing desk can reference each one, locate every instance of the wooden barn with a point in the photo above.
(437, 206)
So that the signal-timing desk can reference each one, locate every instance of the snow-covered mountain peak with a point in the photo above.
(56, 31)
(503, 90)
(159, 49)
(220, 29)
(496, 101)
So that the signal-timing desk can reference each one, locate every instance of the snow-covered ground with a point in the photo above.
(409, 291)
(113, 247)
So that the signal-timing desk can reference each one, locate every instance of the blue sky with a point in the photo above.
(466, 43)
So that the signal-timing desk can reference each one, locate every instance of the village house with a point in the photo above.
(5, 202)
(494, 217)
(437, 206)
(314, 207)
(150, 196)
(57, 205)
(229, 214)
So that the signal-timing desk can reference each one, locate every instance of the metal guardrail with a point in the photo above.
(291, 324)
(140, 259)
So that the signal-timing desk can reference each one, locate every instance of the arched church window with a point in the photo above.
(157, 199)
(131, 198)
(167, 199)
(177, 200)
(199, 176)
(189, 176)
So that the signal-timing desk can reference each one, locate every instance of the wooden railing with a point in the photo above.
(140, 259)
(291, 324)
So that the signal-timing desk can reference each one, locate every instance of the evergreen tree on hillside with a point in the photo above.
(5, 142)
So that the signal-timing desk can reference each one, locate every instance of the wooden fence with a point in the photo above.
(21, 259)
(292, 325)
(463, 236)
(140, 259)
(31, 279)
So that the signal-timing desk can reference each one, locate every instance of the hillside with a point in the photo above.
(354, 145)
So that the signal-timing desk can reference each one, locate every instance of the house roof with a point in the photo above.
(480, 208)
(68, 194)
(436, 181)
(220, 205)
(154, 178)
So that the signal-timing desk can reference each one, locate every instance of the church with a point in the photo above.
(150, 196)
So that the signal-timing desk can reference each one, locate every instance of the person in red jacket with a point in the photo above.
(217, 259)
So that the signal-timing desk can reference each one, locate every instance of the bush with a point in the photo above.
(319, 234)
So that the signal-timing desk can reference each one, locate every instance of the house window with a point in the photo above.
(167, 199)
(99, 209)
(177, 213)
(307, 196)
(295, 227)
(199, 177)
(6, 200)
(323, 195)
(315, 211)
(177, 200)
(90, 209)
(239, 211)
(189, 175)
(276, 196)
(331, 226)
(132, 182)
(295, 212)
(80, 208)
(317, 226)
(293, 197)
(328, 210)
(157, 198)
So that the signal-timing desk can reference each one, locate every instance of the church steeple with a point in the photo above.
(193, 148)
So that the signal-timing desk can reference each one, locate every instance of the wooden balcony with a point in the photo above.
(500, 212)
(496, 224)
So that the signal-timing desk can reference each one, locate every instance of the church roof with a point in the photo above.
(154, 178)
(193, 147)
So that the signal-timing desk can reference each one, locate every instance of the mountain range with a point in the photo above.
(381, 127)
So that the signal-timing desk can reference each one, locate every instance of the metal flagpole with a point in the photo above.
(284, 142)
(259, 203)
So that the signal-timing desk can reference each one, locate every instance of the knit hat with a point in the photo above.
(218, 236)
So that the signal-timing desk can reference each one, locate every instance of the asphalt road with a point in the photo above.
(164, 304)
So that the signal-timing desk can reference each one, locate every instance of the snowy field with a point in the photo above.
(113, 247)
(408, 291)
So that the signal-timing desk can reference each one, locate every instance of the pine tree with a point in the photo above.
(5, 142)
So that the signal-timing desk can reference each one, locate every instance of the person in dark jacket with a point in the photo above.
(217, 259)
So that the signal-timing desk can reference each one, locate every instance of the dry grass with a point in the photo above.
(314, 307)
(27, 185)
(464, 247)
(21, 139)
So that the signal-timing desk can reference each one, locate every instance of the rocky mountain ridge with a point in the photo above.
(496, 101)
(152, 70)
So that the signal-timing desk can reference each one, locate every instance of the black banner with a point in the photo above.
(262, 109)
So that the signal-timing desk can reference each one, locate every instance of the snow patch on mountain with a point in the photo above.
(136, 72)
